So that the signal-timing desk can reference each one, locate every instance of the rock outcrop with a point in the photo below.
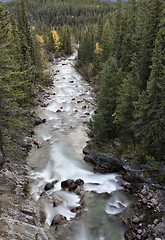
(104, 163)
(19, 214)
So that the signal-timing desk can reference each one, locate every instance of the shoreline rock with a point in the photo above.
(148, 220)
(19, 214)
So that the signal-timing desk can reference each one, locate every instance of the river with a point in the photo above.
(67, 109)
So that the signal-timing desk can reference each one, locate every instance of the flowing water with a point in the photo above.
(68, 108)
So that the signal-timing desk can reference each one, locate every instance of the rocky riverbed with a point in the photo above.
(148, 220)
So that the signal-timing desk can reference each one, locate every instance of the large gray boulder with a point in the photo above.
(104, 163)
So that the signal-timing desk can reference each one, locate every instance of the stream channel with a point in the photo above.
(60, 157)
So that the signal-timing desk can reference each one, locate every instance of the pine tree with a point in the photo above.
(128, 46)
(99, 28)
(106, 40)
(128, 94)
(150, 108)
(110, 79)
(86, 47)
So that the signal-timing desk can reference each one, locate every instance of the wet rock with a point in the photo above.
(73, 187)
(127, 222)
(128, 188)
(38, 143)
(57, 203)
(67, 183)
(79, 182)
(130, 235)
(42, 216)
(87, 149)
(58, 219)
(49, 186)
(105, 163)
(129, 177)
(38, 120)
(135, 219)
(89, 159)
(84, 107)
(44, 104)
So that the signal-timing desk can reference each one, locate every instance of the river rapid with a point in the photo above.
(63, 136)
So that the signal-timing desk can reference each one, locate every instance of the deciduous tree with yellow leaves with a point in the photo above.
(56, 40)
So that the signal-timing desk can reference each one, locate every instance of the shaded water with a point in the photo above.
(60, 158)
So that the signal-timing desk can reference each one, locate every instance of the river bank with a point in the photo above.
(148, 220)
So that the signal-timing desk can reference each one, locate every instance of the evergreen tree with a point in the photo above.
(106, 40)
(86, 47)
(110, 79)
(150, 108)
(99, 28)
(128, 94)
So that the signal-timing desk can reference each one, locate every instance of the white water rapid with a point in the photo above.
(60, 158)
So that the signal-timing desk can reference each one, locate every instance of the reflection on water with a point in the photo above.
(61, 158)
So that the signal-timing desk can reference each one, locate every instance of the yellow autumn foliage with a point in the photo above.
(40, 38)
(33, 28)
(98, 49)
(57, 43)
(115, 116)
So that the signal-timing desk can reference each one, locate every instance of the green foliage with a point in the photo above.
(150, 108)
(26, 193)
(110, 79)
(20, 70)
(86, 47)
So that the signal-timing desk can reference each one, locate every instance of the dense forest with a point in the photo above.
(121, 52)
(125, 57)
(21, 70)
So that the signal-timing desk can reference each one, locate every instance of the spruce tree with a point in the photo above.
(150, 108)
(110, 80)
(128, 94)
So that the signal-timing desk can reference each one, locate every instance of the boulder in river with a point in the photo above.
(104, 163)
(49, 186)
(57, 203)
(67, 183)
(73, 187)
(79, 182)
(58, 219)
(38, 120)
